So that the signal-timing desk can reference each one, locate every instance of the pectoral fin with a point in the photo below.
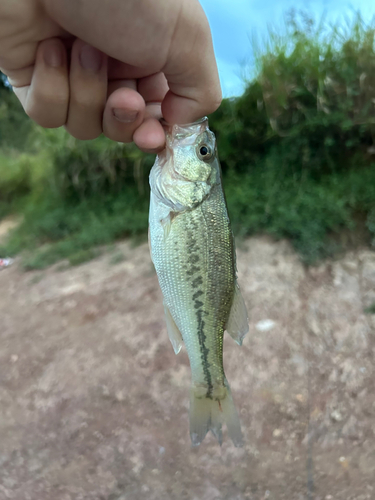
(167, 224)
(238, 324)
(173, 332)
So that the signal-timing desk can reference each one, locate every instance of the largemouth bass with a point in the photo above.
(193, 252)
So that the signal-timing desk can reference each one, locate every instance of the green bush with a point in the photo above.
(297, 148)
(15, 128)
(297, 151)
(75, 195)
(312, 98)
(52, 230)
(86, 169)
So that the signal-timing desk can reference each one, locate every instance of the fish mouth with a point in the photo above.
(167, 124)
(185, 134)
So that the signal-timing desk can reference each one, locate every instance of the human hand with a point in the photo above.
(114, 67)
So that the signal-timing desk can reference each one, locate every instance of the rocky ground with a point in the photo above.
(94, 403)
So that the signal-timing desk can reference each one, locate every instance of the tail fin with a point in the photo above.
(209, 413)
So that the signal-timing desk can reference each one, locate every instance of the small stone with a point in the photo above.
(277, 432)
(344, 462)
(278, 398)
(14, 358)
(120, 396)
(70, 304)
(265, 325)
(105, 391)
(336, 416)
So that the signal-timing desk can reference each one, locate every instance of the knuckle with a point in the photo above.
(215, 100)
(84, 135)
(82, 101)
(47, 121)
(117, 136)
(86, 99)
(47, 100)
(44, 118)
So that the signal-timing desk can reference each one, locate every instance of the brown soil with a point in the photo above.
(94, 403)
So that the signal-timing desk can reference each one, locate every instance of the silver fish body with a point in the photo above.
(192, 249)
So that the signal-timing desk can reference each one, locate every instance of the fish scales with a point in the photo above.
(192, 249)
(199, 281)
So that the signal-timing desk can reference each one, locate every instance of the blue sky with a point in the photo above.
(233, 22)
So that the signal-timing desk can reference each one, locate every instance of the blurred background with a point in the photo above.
(93, 401)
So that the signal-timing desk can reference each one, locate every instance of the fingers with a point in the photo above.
(46, 99)
(133, 111)
(171, 36)
(123, 113)
(77, 98)
(74, 98)
(150, 136)
(153, 88)
(88, 91)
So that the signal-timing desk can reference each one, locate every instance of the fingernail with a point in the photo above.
(125, 115)
(54, 56)
(90, 58)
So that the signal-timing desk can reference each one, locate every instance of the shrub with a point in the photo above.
(296, 148)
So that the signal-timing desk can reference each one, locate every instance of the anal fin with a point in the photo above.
(173, 332)
(238, 324)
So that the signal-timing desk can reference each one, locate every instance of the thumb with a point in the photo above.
(191, 69)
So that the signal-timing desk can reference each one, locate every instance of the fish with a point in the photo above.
(193, 252)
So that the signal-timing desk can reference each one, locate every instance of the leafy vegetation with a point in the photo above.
(74, 196)
(14, 126)
(297, 151)
(302, 135)
(370, 309)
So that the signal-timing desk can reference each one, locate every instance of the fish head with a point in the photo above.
(188, 167)
(190, 151)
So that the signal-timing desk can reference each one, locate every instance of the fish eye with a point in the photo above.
(204, 152)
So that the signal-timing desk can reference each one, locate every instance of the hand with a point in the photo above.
(113, 66)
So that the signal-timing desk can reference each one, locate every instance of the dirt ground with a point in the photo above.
(94, 402)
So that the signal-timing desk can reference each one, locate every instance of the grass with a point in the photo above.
(305, 211)
(117, 258)
(52, 231)
(36, 279)
(370, 309)
(296, 150)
